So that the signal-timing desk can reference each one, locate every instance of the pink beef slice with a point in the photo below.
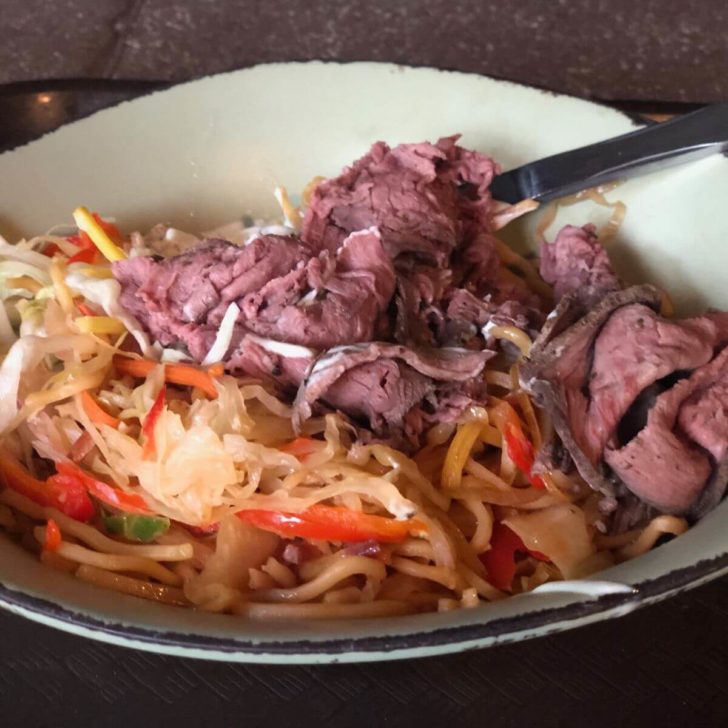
(395, 391)
(636, 348)
(425, 199)
(576, 263)
(587, 371)
(677, 462)
(181, 300)
(658, 465)
(284, 294)
(345, 307)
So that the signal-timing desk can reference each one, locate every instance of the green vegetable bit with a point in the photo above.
(137, 528)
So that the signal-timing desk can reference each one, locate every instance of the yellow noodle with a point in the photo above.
(280, 573)
(347, 595)
(258, 579)
(111, 562)
(469, 598)
(515, 336)
(439, 574)
(484, 589)
(63, 294)
(511, 212)
(94, 538)
(414, 547)
(480, 472)
(484, 523)
(656, 528)
(510, 258)
(336, 573)
(23, 504)
(308, 190)
(129, 585)
(458, 453)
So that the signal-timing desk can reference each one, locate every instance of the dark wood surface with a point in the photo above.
(661, 50)
(665, 665)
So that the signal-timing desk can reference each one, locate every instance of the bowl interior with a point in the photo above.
(206, 152)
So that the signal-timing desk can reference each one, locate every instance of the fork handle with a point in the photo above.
(679, 140)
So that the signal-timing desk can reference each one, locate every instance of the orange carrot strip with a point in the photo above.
(96, 413)
(182, 374)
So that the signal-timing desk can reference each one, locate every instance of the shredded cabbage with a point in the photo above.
(105, 293)
(224, 336)
(26, 354)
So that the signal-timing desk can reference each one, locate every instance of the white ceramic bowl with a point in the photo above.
(205, 152)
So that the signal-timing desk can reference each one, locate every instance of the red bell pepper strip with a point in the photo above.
(108, 494)
(52, 539)
(500, 559)
(518, 446)
(149, 450)
(85, 255)
(70, 498)
(51, 249)
(332, 523)
(83, 241)
(301, 447)
(85, 309)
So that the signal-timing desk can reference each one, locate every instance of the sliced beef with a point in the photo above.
(182, 299)
(344, 308)
(424, 198)
(683, 445)
(704, 414)
(557, 374)
(614, 382)
(420, 291)
(393, 389)
(658, 465)
(576, 263)
(285, 364)
(635, 348)
(283, 293)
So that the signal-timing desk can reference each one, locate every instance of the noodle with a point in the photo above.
(110, 562)
(649, 535)
(515, 336)
(128, 585)
(337, 572)
(439, 574)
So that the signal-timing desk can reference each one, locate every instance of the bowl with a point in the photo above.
(206, 152)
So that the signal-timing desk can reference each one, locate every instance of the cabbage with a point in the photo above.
(26, 354)
(190, 474)
(23, 254)
(560, 532)
(224, 336)
(105, 292)
(238, 548)
(7, 335)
